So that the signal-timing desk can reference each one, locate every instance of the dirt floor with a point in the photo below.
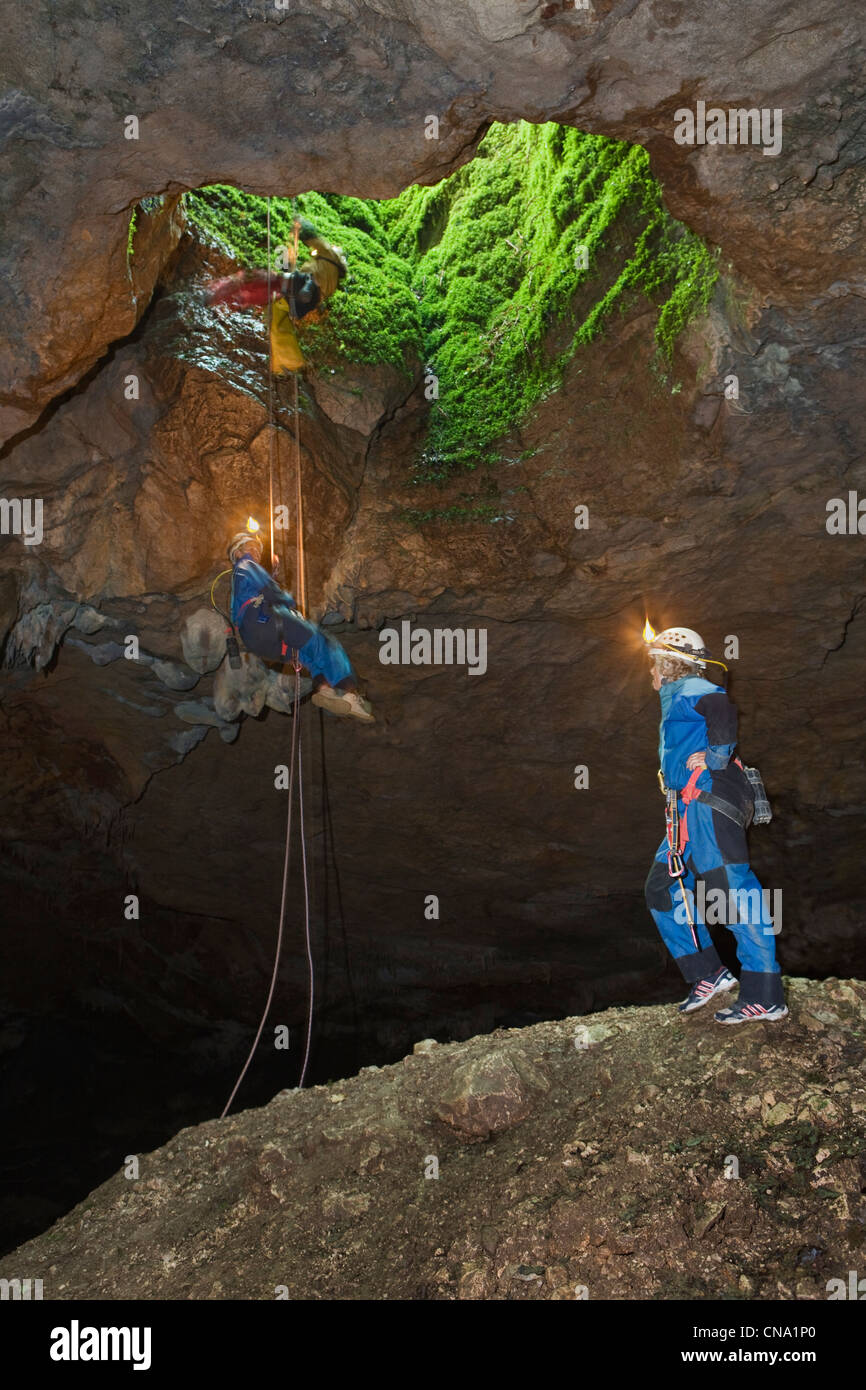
(623, 1155)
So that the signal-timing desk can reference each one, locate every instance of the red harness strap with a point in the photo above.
(689, 794)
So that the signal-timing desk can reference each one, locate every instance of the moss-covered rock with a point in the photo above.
(496, 277)
(512, 264)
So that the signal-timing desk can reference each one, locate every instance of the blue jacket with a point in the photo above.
(249, 580)
(695, 715)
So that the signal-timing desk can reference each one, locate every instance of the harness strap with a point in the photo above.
(689, 794)
(725, 808)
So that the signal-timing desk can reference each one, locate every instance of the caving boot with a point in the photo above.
(762, 999)
(702, 991)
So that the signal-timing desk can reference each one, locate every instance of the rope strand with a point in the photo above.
(310, 968)
(278, 952)
(270, 311)
(297, 750)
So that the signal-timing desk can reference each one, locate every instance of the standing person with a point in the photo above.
(294, 295)
(710, 803)
(269, 625)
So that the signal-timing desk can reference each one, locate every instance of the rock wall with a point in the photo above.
(335, 95)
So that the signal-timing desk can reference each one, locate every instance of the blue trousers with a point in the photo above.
(723, 889)
(285, 631)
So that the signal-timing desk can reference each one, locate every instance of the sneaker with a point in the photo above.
(359, 708)
(702, 991)
(752, 1013)
(334, 701)
(344, 703)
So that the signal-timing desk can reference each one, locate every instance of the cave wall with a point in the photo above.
(335, 96)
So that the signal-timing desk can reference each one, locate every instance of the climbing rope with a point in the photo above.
(270, 395)
(297, 750)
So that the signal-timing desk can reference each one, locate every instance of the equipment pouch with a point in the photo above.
(763, 811)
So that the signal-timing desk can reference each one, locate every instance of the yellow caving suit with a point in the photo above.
(327, 268)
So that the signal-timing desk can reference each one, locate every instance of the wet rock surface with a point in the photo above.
(664, 1158)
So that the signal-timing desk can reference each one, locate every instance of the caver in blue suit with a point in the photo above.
(270, 626)
(698, 716)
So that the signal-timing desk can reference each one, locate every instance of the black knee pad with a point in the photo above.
(715, 878)
(657, 889)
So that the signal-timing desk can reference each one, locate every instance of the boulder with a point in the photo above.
(243, 691)
(175, 676)
(490, 1093)
(203, 639)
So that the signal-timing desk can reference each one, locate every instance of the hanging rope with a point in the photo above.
(278, 952)
(297, 751)
(270, 395)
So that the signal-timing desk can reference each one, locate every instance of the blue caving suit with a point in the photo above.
(698, 715)
(269, 625)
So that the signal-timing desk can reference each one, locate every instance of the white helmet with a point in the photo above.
(240, 542)
(681, 642)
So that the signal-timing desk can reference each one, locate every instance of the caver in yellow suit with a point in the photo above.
(295, 295)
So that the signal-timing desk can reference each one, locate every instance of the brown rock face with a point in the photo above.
(339, 97)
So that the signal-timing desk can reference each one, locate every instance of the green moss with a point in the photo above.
(373, 317)
(455, 514)
(482, 276)
(520, 259)
(149, 205)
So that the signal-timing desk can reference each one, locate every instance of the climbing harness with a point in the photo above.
(677, 826)
(676, 832)
(296, 770)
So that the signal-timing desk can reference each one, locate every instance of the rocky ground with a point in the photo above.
(624, 1155)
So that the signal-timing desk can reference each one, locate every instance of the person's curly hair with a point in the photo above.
(672, 668)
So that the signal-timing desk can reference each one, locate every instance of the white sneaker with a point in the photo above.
(359, 707)
(334, 701)
(344, 703)
(752, 1013)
